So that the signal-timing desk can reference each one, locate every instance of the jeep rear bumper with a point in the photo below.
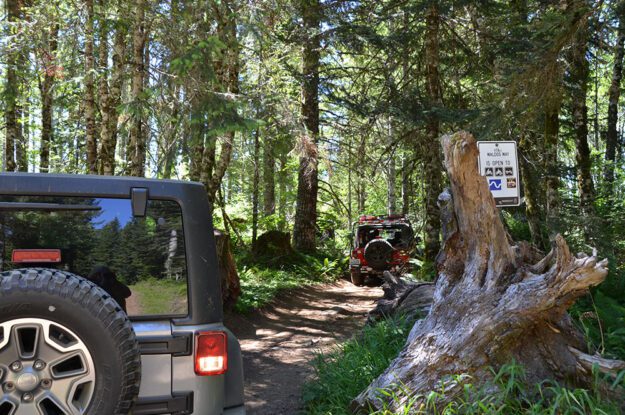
(370, 271)
(238, 410)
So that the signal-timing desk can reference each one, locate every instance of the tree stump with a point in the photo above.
(230, 284)
(272, 244)
(490, 306)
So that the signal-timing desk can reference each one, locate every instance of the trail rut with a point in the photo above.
(279, 341)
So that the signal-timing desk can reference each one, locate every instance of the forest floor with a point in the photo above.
(280, 340)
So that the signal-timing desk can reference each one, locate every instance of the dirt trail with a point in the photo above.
(133, 305)
(279, 341)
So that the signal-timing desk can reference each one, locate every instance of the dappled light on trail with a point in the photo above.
(280, 341)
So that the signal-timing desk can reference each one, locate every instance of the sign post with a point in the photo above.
(498, 161)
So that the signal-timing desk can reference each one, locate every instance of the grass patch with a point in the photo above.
(602, 319)
(342, 374)
(263, 278)
(161, 296)
(259, 286)
(507, 394)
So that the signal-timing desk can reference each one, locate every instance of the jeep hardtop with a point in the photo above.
(380, 243)
(110, 299)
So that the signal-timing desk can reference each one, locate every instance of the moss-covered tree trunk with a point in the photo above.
(611, 138)
(551, 165)
(110, 92)
(532, 188)
(89, 98)
(492, 303)
(431, 149)
(136, 145)
(578, 76)
(269, 176)
(305, 225)
(46, 82)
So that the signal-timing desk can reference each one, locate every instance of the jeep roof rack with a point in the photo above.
(382, 219)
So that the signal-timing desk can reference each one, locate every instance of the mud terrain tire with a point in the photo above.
(56, 300)
(357, 278)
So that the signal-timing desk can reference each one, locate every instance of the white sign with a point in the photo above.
(498, 162)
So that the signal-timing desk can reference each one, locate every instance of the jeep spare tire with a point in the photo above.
(66, 347)
(378, 254)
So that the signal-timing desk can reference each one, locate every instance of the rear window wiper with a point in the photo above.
(51, 207)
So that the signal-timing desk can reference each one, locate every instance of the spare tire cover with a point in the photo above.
(378, 254)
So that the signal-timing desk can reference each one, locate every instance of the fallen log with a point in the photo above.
(401, 297)
(490, 305)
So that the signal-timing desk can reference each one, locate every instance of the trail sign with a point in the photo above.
(499, 163)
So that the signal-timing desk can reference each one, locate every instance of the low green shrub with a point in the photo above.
(263, 278)
(345, 372)
(259, 286)
(602, 319)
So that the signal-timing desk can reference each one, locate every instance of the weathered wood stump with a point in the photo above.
(230, 284)
(490, 306)
(401, 297)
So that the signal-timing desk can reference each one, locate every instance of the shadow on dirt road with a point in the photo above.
(280, 340)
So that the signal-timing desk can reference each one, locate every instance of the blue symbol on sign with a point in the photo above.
(494, 184)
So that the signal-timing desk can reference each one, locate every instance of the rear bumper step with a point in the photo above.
(176, 345)
(178, 404)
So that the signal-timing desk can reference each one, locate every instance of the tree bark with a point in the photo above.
(432, 161)
(13, 109)
(269, 177)
(531, 189)
(304, 229)
(361, 169)
(551, 166)
(230, 283)
(49, 69)
(137, 137)
(256, 185)
(89, 100)
(228, 74)
(579, 74)
(406, 185)
(391, 174)
(21, 145)
(614, 94)
(194, 135)
(492, 303)
(110, 94)
(103, 69)
(350, 169)
(283, 177)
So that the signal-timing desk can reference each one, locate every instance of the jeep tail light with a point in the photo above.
(22, 256)
(211, 353)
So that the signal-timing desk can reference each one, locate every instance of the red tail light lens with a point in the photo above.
(20, 256)
(211, 353)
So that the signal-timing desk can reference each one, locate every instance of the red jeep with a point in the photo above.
(381, 243)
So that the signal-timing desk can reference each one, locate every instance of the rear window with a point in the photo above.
(399, 236)
(99, 238)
